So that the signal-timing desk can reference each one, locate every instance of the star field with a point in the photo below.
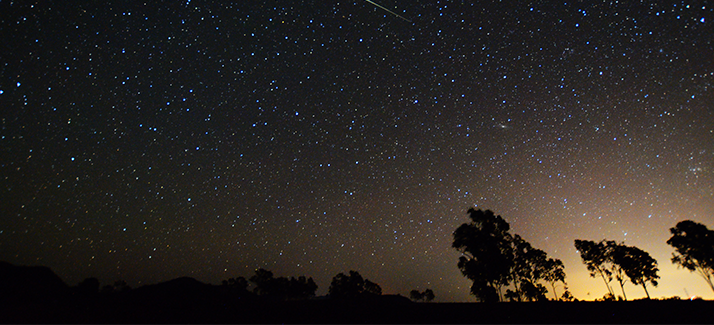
(145, 141)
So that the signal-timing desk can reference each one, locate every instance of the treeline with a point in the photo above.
(494, 259)
(349, 285)
(502, 266)
(264, 285)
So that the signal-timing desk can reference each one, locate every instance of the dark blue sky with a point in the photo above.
(147, 140)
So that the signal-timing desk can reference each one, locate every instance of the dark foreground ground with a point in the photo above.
(327, 311)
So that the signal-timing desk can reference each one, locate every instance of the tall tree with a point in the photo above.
(486, 253)
(595, 258)
(694, 248)
(614, 251)
(528, 268)
(554, 271)
(639, 266)
(610, 259)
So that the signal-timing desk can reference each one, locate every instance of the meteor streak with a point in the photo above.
(389, 11)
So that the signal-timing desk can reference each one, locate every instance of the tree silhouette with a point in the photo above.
(264, 281)
(610, 259)
(595, 257)
(554, 271)
(615, 253)
(280, 288)
(416, 295)
(694, 248)
(371, 287)
(428, 295)
(638, 265)
(567, 296)
(492, 258)
(529, 267)
(533, 291)
(301, 288)
(352, 285)
(485, 245)
(88, 287)
(237, 284)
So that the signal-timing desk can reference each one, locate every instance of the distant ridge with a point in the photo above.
(29, 283)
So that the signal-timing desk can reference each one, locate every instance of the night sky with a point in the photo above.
(148, 140)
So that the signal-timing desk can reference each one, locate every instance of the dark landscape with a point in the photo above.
(37, 295)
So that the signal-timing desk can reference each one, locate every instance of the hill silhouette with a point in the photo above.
(29, 284)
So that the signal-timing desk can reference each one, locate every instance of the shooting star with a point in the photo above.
(389, 11)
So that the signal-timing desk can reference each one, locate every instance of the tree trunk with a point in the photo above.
(622, 286)
(518, 290)
(706, 276)
(645, 287)
(602, 275)
(554, 294)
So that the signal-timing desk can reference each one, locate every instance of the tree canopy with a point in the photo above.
(282, 287)
(427, 295)
(609, 259)
(352, 285)
(638, 265)
(694, 248)
(492, 259)
(487, 253)
(595, 256)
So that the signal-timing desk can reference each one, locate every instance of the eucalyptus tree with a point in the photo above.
(485, 245)
(595, 257)
(638, 265)
(694, 248)
(554, 272)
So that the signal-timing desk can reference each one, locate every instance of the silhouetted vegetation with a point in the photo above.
(487, 253)
(553, 272)
(427, 295)
(352, 286)
(280, 288)
(239, 284)
(609, 259)
(595, 257)
(694, 248)
(494, 259)
(187, 300)
(638, 265)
